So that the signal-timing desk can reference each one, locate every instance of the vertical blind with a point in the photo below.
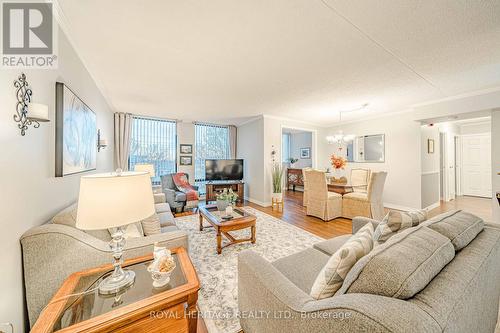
(211, 142)
(153, 141)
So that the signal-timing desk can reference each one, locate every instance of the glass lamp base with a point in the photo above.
(114, 284)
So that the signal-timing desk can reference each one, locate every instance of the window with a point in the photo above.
(285, 148)
(211, 142)
(153, 141)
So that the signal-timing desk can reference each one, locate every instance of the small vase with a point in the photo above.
(221, 205)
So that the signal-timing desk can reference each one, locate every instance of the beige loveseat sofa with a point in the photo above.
(52, 251)
(462, 297)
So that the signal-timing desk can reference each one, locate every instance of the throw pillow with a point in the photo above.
(458, 226)
(402, 266)
(151, 225)
(396, 221)
(133, 230)
(332, 275)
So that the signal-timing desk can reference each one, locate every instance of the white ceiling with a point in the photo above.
(300, 59)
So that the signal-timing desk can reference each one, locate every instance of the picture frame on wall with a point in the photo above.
(305, 153)
(76, 134)
(186, 149)
(430, 146)
(185, 160)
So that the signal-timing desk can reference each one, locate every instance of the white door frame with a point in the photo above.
(314, 148)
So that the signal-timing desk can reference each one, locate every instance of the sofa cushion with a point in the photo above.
(162, 207)
(169, 228)
(180, 196)
(302, 268)
(359, 196)
(331, 246)
(332, 275)
(151, 225)
(166, 219)
(396, 221)
(458, 226)
(402, 266)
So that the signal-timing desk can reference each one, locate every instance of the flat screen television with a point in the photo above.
(223, 170)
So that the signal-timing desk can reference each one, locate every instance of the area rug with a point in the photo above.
(218, 274)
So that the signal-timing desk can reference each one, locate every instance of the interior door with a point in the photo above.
(450, 164)
(476, 165)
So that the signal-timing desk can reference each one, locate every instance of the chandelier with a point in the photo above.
(340, 137)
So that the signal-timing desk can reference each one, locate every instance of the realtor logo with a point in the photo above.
(28, 35)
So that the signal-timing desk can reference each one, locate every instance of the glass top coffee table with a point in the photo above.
(240, 220)
(91, 311)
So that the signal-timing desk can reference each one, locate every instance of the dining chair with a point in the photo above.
(359, 179)
(369, 204)
(306, 189)
(321, 203)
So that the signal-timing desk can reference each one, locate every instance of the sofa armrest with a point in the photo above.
(159, 198)
(263, 289)
(59, 248)
(359, 221)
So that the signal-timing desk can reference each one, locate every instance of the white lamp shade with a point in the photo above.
(150, 168)
(38, 112)
(111, 200)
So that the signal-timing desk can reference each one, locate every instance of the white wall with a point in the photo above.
(430, 167)
(185, 135)
(495, 162)
(30, 194)
(297, 142)
(402, 156)
(250, 143)
(476, 128)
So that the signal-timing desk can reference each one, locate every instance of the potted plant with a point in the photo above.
(277, 175)
(292, 161)
(226, 198)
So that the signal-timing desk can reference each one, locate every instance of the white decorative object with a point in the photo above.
(162, 266)
(229, 210)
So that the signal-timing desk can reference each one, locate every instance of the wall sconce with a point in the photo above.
(101, 143)
(28, 113)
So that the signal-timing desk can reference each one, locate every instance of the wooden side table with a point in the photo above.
(141, 308)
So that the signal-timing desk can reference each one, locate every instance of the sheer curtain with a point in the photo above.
(154, 141)
(123, 124)
(211, 142)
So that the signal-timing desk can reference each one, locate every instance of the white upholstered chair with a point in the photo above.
(367, 204)
(306, 189)
(359, 180)
(321, 203)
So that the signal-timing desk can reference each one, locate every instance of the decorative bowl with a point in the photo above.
(160, 279)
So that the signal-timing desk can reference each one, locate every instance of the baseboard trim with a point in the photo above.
(398, 207)
(434, 205)
(257, 202)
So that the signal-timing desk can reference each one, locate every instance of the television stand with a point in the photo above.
(215, 187)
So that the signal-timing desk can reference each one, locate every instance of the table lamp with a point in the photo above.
(114, 200)
(150, 168)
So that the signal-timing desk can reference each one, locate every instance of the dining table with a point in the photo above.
(342, 188)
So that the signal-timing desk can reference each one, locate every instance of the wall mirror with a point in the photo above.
(367, 148)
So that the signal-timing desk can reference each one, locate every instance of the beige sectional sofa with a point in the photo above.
(54, 250)
(455, 286)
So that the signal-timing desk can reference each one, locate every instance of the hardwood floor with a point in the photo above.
(475, 205)
(295, 213)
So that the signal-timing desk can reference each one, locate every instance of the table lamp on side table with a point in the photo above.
(114, 200)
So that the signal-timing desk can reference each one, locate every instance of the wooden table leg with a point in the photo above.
(201, 222)
(219, 241)
(192, 313)
(252, 228)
